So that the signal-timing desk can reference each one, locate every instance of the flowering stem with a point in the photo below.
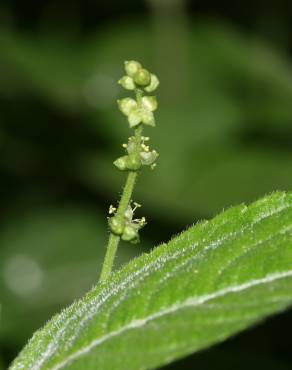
(114, 240)
(139, 112)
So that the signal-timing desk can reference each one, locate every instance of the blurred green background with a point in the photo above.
(224, 135)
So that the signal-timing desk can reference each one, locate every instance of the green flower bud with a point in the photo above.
(147, 118)
(121, 163)
(133, 162)
(154, 83)
(130, 234)
(117, 225)
(142, 77)
(134, 117)
(150, 103)
(127, 82)
(126, 105)
(132, 67)
(148, 158)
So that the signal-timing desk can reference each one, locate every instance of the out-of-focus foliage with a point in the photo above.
(234, 88)
(229, 360)
(47, 259)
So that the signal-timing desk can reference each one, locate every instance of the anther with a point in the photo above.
(112, 209)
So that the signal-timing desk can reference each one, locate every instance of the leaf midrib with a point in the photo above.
(221, 241)
(190, 302)
(189, 261)
(217, 243)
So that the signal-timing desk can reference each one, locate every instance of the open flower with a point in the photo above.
(139, 155)
(141, 112)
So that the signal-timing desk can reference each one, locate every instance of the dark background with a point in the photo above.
(224, 135)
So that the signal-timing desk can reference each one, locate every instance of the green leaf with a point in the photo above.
(213, 280)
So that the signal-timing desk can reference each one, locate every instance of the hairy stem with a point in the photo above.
(123, 205)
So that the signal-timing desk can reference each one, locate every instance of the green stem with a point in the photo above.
(123, 205)
(111, 251)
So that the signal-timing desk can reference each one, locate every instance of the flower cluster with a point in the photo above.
(139, 110)
(125, 226)
(137, 77)
(138, 155)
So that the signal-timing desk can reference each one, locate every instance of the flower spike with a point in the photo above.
(139, 111)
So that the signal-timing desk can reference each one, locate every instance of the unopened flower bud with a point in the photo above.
(127, 82)
(154, 83)
(147, 118)
(121, 163)
(132, 67)
(130, 233)
(134, 117)
(150, 103)
(142, 77)
(126, 105)
(133, 162)
(117, 225)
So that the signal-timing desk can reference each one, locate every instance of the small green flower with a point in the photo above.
(126, 105)
(129, 162)
(124, 225)
(150, 102)
(131, 230)
(138, 77)
(117, 224)
(134, 162)
(154, 83)
(127, 83)
(139, 113)
(130, 234)
(121, 163)
(147, 117)
(132, 67)
(135, 117)
(142, 77)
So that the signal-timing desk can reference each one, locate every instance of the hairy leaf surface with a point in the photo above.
(215, 279)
